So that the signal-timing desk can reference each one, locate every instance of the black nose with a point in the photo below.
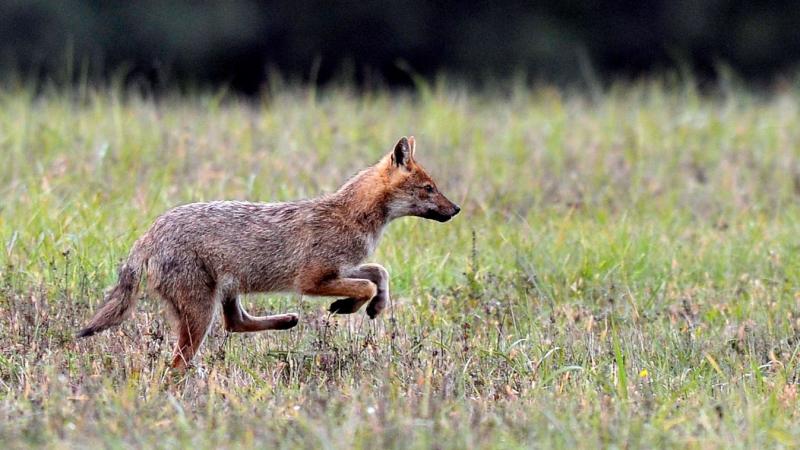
(458, 209)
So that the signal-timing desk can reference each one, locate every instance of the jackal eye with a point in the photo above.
(428, 188)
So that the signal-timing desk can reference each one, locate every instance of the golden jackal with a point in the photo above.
(201, 255)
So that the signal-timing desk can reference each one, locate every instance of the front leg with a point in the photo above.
(357, 290)
(374, 273)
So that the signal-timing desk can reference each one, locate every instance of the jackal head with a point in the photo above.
(412, 192)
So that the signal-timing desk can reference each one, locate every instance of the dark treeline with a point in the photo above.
(238, 41)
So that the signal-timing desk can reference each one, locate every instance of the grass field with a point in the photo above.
(625, 271)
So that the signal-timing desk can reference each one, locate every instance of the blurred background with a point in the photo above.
(238, 43)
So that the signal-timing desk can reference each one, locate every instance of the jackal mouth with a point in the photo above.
(438, 216)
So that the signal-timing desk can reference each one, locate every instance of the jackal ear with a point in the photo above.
(401, 156)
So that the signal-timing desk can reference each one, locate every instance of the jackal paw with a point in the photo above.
(286, 321)
(375, 308)
(345, 306)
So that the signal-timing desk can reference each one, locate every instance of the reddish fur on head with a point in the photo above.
(397, 186)
(411, 191)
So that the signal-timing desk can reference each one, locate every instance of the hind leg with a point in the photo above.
(182, 279)
(238, 321)
(193, 319)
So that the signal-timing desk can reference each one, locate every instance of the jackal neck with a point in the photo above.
(363, 200)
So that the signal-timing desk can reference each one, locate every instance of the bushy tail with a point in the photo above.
(119, 302)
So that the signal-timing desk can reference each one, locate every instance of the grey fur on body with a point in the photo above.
(254, 247)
